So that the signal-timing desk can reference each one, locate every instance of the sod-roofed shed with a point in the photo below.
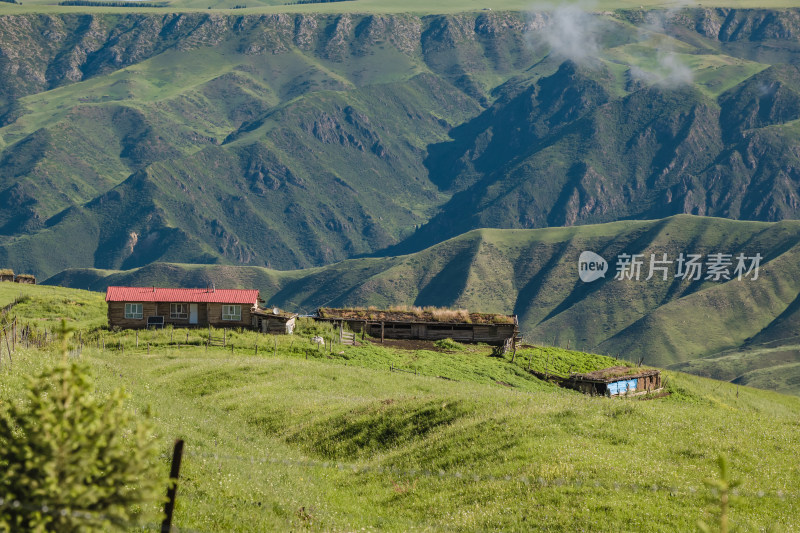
(274, 321)
(615, 381)
(6, 274)
(30, 279)
(426, 323)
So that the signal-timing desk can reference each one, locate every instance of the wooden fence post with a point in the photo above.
(382, 324)
(224, 336)
(8, 348)
(172, 490)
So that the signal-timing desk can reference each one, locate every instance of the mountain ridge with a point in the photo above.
(534, 274)
(300, 140)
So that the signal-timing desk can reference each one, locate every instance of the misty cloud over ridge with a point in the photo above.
(572, 31)
(670, 71)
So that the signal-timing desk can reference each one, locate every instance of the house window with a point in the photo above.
(231, 312)
(178, 311)
(133, 311)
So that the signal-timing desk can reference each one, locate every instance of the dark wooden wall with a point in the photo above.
(488, 333)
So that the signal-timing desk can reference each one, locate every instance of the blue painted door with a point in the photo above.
(621, 387)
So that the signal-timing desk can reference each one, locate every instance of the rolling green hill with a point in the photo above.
(295, 438)
(297, 140)
(534, 274)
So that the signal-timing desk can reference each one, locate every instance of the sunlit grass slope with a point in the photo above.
(300, 437)
(44, 307)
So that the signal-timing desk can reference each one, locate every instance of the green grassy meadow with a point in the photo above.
(44, 307)
(304, 438)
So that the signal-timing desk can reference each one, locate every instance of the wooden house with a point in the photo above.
(274, 321)
(614, 381)
(426, 324)
(140, 307)
(30, 279)
(6, 274)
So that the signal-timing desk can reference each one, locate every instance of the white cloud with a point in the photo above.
(571, 31)
(670, 71)
(574, 32)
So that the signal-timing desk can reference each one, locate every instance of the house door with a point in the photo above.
(192, 313)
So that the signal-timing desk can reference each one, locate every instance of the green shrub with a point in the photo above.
(71, 461)
(448, 344)
(310, 327)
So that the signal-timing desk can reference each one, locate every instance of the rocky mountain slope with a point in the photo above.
(298, 140)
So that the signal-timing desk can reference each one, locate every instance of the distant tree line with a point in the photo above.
(130, 3)
(10, 1)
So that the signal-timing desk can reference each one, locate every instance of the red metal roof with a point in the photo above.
(157, 294)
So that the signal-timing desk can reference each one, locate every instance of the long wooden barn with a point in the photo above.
(426, 324)
(140, 307)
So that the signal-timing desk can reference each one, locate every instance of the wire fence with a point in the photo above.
(87, 516)
(478, 477)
